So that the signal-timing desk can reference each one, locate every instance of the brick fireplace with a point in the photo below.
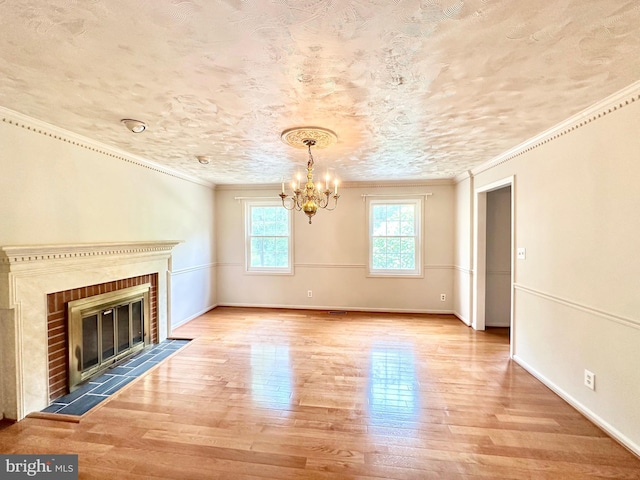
(36, 283)
(57, 331)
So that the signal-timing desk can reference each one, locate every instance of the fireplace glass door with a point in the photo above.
(104, 329)
(108, 334)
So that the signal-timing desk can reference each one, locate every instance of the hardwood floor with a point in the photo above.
(283, 394)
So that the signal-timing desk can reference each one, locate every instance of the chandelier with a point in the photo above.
(311, 196)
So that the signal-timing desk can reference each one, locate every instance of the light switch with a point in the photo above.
(522, 253)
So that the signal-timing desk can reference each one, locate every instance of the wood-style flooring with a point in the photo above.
(290, 394)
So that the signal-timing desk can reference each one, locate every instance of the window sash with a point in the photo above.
(268, 239)
(395, 237)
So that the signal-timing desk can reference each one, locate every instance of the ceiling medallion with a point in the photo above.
(310, 197)
(299, 137)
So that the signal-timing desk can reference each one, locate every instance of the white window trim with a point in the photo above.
(418, 272)
(248, 204)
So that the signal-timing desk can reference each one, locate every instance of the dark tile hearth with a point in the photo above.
(100, 388)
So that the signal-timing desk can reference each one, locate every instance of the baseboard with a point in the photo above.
(195, 315)
(607, 427)
(333, 308)
(462, 318)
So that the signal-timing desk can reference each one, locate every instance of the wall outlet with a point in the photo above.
(589, 379)
(443, 297)
(521, 253)
(309, 293)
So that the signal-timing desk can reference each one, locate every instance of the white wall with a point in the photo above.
(331, 256)
(53, 191)
(576, 303)
(463, 273)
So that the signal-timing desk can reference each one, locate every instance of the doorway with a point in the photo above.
(493, 256)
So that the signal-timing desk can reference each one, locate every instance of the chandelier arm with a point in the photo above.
(335, 204)
(282, 197)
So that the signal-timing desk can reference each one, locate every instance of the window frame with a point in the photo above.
(418, 270)
(248, 206)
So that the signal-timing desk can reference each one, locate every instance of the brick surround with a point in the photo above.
(57, 324)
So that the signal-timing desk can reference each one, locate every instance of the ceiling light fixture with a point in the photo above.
(203, 159)
(136, 126)
(312, 196)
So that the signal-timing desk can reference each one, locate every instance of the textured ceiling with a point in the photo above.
(414, 89)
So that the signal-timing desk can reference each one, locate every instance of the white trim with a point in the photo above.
(195, 268)
(18, 255)
(334, 308)
(418, 202)
(599, 421)
(467, 271)
(479, 253)
(192, 317)
(462, 318)
(39, 127)
(627, 322)
(340, 265)
(271, 203)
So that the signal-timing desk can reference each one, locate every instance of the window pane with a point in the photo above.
(393, 261)
(379, 246)
(256, 252)
(379, 261)
(268, 234)
(268, 252)
(408, 262)
(257, 226)
(394, 236)
(282, 252)
(379, 220)
(407, 245)
(393, 245)
(282, 222)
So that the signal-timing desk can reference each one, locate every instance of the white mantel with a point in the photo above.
(28, 273)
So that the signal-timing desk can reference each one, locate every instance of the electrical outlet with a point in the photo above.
(521, 253)
(589, 379)
(309, 293)
(443, 297)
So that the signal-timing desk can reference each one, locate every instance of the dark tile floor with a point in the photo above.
(98, 389)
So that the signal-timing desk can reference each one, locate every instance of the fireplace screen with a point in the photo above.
(104, 329)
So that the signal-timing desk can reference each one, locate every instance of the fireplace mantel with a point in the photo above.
(28, 273)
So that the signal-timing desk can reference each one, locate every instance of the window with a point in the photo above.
(395, 239)
(268, 238)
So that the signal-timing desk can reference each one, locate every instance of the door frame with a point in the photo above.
(480, 253)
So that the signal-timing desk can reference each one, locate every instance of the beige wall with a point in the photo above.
(576, 299)
(55, 192)
(331, 256)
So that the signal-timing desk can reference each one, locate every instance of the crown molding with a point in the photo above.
(462, 176)
(610, 104)
(17, 119)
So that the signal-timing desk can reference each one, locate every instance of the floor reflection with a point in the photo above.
(393, 385)
(271, 375)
